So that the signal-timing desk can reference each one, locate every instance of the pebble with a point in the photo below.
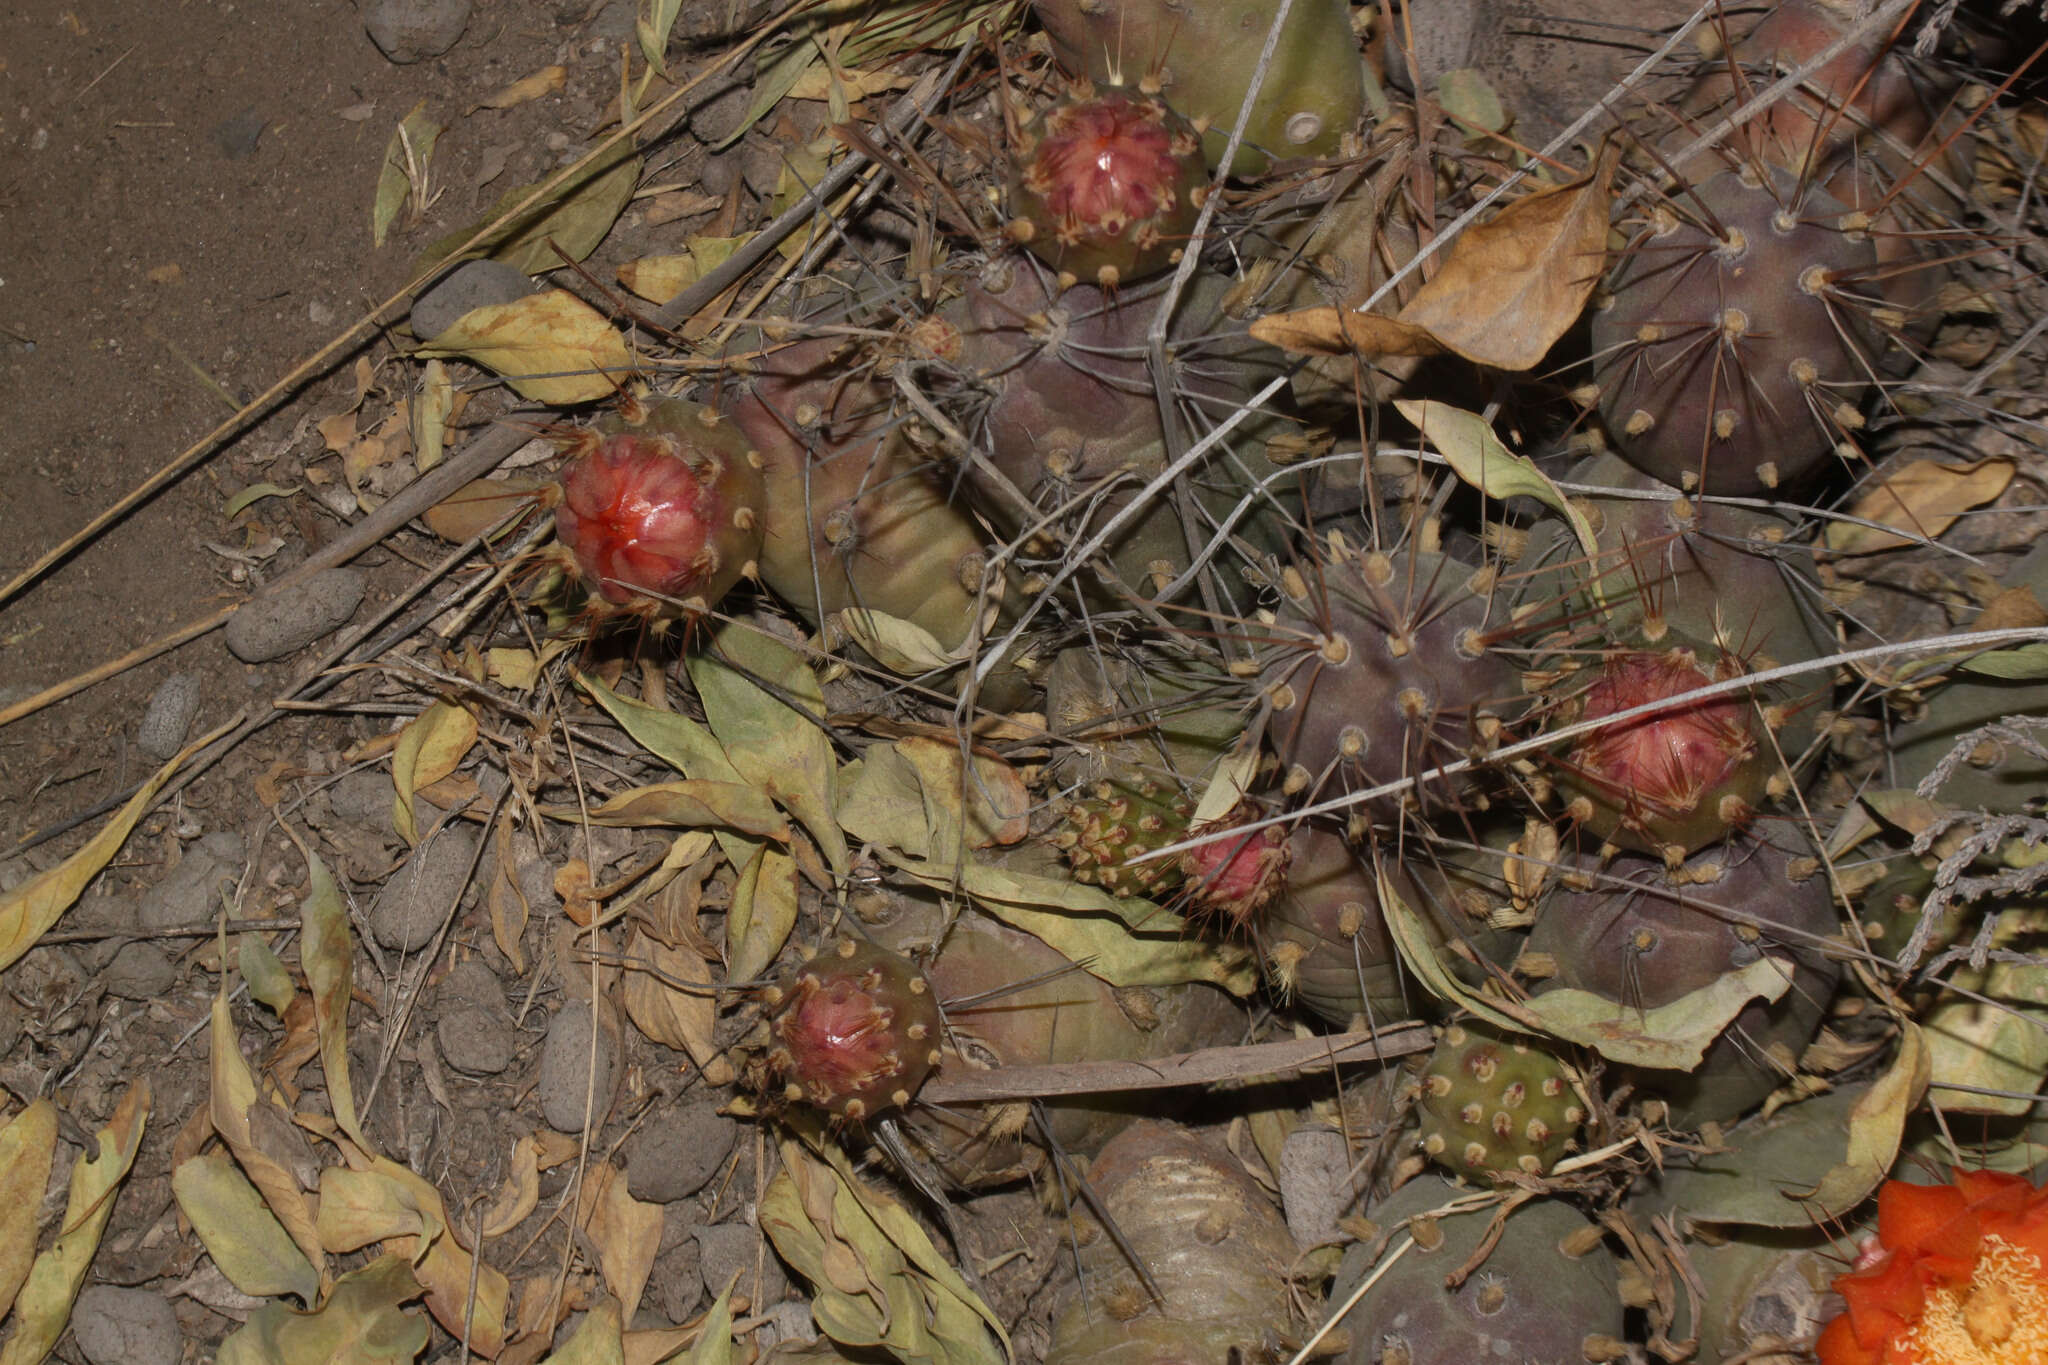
(564, 1080)
(284, 621)
(364, 797)
(169, 717)
(140, 971)
(475, 1028)
(476, 284)
(735, 1249)
(408, 31)
(411, 907)
(678, 1281)
(1315, 1183)
(191, 893)
(115, 1326)
(237, 136)
(675, 1154)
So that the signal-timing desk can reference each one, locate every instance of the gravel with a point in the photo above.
(564, 1080)
(169, 717)
(125, 1327)
(412, 905)
(286, 620)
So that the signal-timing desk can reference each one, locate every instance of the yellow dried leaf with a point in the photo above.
(1876, 1125)
(545, 81)
(660, 278)
(432, 745)
(1516, 283)
(1922, 500)
(669, 1014)
(27, 1144)
(625, 1231)
(552, 347)
(823, 83)
(243, 1236)
(432, 408)
(520, 1194)
(327, 954)
(598, 1339)
(389, 1203)
(764, 906)
(408, 158)
(43, 1307)
(232, 1098)
(1339, 331)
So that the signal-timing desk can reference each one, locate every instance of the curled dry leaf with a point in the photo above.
(327, 954)
(408, 157)
(552, 348)
(1339, 331)
(625, 1231)
(361, 1322)
(388, 1203)
(545, 81)
(1988, 1050)
(232, 1103)
(520, 1194)
(667, 1012)
(432, 745)
(1877, 1122)
(1918, 502)
(27, 1144)
(241, 1234)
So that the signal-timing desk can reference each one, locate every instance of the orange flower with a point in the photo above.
(1957, 1275)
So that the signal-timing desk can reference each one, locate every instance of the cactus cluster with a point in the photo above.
(1118, 822)
(1492, 1101)
(856, 1030)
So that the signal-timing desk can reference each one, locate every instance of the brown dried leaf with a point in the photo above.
(626, 1232)
(1339, 331)
(545, 81)
(233, 1102)
(552, 347)
(27, 1144)
(521, 1192)
(1923, 499)
(670, 1015)
(1515, 284)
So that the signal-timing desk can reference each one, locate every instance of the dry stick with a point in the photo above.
(1187, 1068)
(489, 449)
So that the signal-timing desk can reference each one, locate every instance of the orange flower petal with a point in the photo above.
(1838, 1345)
(1929, 1221)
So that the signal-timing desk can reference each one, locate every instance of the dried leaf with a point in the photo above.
(676, 740)
(520, 1195)
(764, 906)
(327, 956)
(255, 493)
(625, 1231)
(508, 907)
(28, 911)
(766, 709)
(1341, 331)
(27, 1144)
(43, 1308)
(677, 1018)
(714, 1337)
(232, 1097)
(902, 647)
(1876, 1124)
(564, 227)
(1515, 284)
(407, 158)
(1470, 100)
(1671, 1037)
(1994, 1039)
(242, 1235)
(476, 507)
(268, 980)
(552, 348)
(653, 27)
(388, 1203)
(687, 805)
(432, 745)
(2028, 663)
(545, 81)
(660, 278)
(824, 83)
(1477, 456)
(431, 409)
(1923, 499)
(598, 1339)
(360, 1323)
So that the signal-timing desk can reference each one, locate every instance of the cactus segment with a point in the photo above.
(1491, 1101)
(1118, 821)
(856, 1031)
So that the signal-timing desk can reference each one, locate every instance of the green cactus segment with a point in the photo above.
(1106, 188)
(856, 1031)
(1202, 57)
(1532, 1298)
(853, 517)
(1642, 935)
(1728, 356)
(1491, 1101)
(1117, 822)
(1326, 940)
(1381, 669)
(1671, 781)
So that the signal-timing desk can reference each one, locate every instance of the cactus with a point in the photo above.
(661, 511)
(1673, 781)
(852, 518)
(1645, 935)
(1117, 822)
(1382, 668)
(1106, 187)
(1491, 1101)
(856, 1031)
(1201, 57)
(1728, 357)
(1230, 879)
(1057, 396)
(1541, 1294)
(1210, 1240)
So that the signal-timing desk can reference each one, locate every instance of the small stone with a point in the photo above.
(564, 1083)
(363, 798)
(116, 1326)
(678, 1281)
(191, 893)
(675, 1154)
(408, 31)
(419, 897)
(1315, 1184)
(475, 1029)
(735, 1249)
(284, 621)
(476, 284)
(169, 717)
(140, 971)
(237, 136)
